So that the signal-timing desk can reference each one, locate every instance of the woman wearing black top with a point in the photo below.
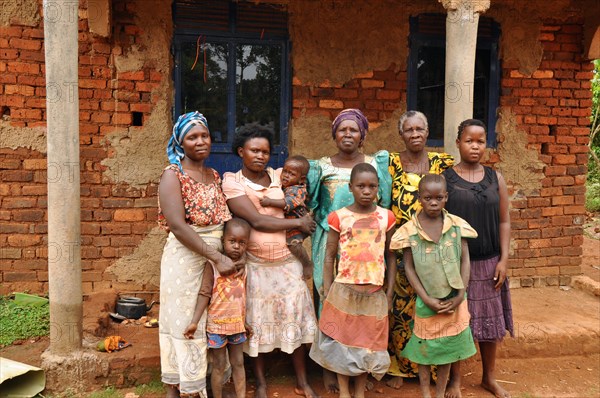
(478, 194)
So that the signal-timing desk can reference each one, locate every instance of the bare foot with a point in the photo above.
(305, 391)
(369, 385)
(493, 387)
(395, 382)
(453, 390)
(261, 391)
(172, 391)
(330, 382)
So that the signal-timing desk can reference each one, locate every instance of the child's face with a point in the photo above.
(364, 188)
(433, 197)
(471, 144)
(235, 241)
(292, 174)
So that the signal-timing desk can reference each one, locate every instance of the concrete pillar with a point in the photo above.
(461, 41)
(62, 110)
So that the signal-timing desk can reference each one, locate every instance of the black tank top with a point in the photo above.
(478, 204)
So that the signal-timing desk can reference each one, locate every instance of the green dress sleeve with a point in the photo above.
(382, 159)
(313, 184)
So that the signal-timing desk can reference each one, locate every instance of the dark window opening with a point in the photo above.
(426, 74)
(231, 64)
(137, 118)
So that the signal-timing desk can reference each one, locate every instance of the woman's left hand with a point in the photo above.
(307, 224)
(500, 274)
(225, 265)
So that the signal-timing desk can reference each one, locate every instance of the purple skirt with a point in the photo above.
(491, 310)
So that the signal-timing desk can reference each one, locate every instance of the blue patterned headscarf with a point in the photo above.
(183, 126)
(351, 114)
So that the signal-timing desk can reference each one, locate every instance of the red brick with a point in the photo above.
(563, 180)
(19, 276)
(92, 83)
(129, 215)
(19, 89)
(16, 176)
(574, 210)
(23, 240)
(552, 211)
(26, 44)
(28, 215)
(564, 159)
(134, 75)
(121, 118)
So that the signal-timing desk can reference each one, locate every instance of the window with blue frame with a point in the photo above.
(231, 64)
(426, 73)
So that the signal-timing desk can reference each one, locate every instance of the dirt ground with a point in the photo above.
(528, 374)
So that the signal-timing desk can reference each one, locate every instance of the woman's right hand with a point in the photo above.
(225, 265)
(307, 224)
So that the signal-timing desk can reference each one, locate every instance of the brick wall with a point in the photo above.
(551, 106)
(115, 217)
(377, 93)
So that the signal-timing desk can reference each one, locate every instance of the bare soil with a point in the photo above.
(528, 373)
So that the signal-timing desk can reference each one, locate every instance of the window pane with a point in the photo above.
(430, 88)
(481, 89)
(258, 86)
(204, 88)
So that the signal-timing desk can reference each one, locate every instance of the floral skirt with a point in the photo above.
(278, 306)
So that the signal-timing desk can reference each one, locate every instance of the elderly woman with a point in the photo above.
(192, 207)
(328, 190)
(407, 168)
(278, 304)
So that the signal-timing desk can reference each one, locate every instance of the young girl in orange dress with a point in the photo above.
(353, 328)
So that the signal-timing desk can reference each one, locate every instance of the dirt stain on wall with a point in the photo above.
(24, 137)
(520, 22)
(519, 164)
(142, 267)
(135, 148)
(333, 42)
(23, 12)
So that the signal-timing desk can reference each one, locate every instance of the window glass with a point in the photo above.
(204, 84)
(258, 86)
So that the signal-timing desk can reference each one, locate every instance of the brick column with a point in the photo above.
(461, 41)
(62, 105)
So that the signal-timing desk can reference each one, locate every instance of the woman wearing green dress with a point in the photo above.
(328, 189)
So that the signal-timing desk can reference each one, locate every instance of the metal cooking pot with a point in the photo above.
(132, 307)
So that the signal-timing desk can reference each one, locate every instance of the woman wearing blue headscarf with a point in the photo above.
(328, 190)
(192, 208)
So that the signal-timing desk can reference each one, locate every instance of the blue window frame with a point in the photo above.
(426, 74)
(231, 64)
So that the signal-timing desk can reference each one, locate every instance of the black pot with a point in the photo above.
(132, 307)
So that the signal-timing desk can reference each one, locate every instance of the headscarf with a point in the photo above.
(183, 126)
(351, 114)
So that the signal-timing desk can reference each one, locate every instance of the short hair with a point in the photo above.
(470, 122)
(431, 178)
(304, 165)
(362, 168)
(237, 222)
(408, 114)
(249, 131)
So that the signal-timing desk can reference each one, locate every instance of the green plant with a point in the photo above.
(154, 387)
(108, 392)
(592, 197)
(22, 322)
